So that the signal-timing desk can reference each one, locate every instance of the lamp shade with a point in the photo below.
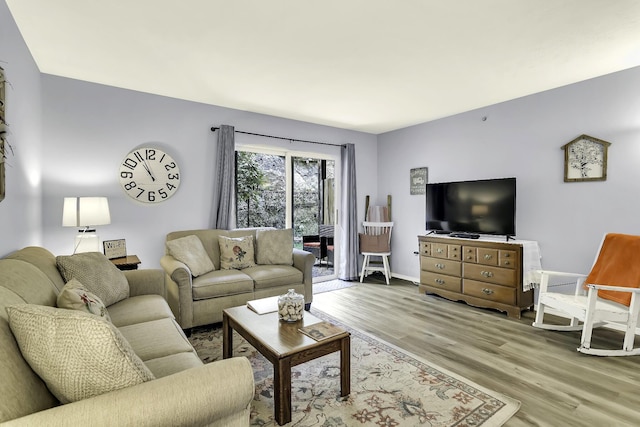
(85, 211)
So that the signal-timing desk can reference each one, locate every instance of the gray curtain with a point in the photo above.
(222, 209)
(348, 221)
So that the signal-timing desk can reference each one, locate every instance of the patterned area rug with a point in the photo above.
(332, 285)
(389, 387)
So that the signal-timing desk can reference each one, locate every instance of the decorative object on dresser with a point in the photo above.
(585, 159)
(483, 272)
(129, 262)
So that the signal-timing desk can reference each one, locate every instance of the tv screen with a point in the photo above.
(483, 207)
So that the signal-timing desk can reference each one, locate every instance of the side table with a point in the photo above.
(129, 262)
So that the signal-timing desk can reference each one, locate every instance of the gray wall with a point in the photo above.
(20, 212)
(89, 128)
(522, 138)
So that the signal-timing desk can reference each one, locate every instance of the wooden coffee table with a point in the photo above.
(284, 346)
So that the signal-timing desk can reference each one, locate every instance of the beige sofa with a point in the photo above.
(200, 300)
(184, 391)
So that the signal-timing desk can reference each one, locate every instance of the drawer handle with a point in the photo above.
(488, 256)
(440, 281)
(486, 273)
(506, 255)
(487, 291)
(439, 250)
(507, 263)
(440, 266)
(469, 257)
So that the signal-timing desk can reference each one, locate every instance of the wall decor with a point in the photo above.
(149, 175)
(418, 184)
(115, 248)
(585, 159)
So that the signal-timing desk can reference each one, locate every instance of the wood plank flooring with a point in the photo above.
(542, 369)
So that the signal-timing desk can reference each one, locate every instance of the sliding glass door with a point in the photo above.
(290, 190)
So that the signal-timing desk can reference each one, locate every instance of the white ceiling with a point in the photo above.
(367, 65)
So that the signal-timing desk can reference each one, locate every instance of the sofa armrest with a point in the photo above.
(303, 261)
(218, 394)
(179, 282)
(146, 282)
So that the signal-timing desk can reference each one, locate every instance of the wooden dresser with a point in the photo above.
(482, 273)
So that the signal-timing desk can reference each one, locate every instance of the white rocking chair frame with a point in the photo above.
(592, 311)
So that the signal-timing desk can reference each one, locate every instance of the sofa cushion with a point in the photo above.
(139, 309)
(77, 354)
(274, 247)
(268, 276)
(189, 250)
(236, 252)
(75, 296)
(221, 283)
(157, 338)
(97, 274)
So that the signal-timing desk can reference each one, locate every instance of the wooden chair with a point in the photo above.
(376, 241)
(607, 297)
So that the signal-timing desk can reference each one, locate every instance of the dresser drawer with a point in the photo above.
(440, 250)
(485, 273)
(442, 266)
(487, 256)
(507, 259)
(441, 281)
(501, 294)
(469, 254)
(453, 252)
(425, 248)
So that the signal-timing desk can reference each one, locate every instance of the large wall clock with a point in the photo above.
(149, 175)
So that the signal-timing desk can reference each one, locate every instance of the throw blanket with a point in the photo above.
(618, 264)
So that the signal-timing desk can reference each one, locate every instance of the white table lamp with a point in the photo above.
(86, 212)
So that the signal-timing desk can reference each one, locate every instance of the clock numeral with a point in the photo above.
(163, 193)
(125, 174)
(130, 185)
(151, 195)
(150, 153)
(138, 156)
(170, 186)
(130, 163)
(173, 175)
(170, 166)
(140, 193)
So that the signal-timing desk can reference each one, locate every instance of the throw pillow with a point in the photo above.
(236, 252)
(97, 274)
(75, 296)
(76, 354)
(189, 250)
(274, 247)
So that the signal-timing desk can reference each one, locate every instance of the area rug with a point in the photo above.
(389, 387)
(332, 285)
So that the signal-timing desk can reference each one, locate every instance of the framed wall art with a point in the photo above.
(418, 184)
(585, 159)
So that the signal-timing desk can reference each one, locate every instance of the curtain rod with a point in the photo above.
(213, 129)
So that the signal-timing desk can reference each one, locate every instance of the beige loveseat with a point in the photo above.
(200, 300)
(184, 391)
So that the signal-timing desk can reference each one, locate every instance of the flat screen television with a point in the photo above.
(477, 207)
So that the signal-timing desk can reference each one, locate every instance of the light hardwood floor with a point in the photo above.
(542, 369)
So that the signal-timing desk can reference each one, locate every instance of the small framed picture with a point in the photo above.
(418, 181)
(585, 159)
(115, 248)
